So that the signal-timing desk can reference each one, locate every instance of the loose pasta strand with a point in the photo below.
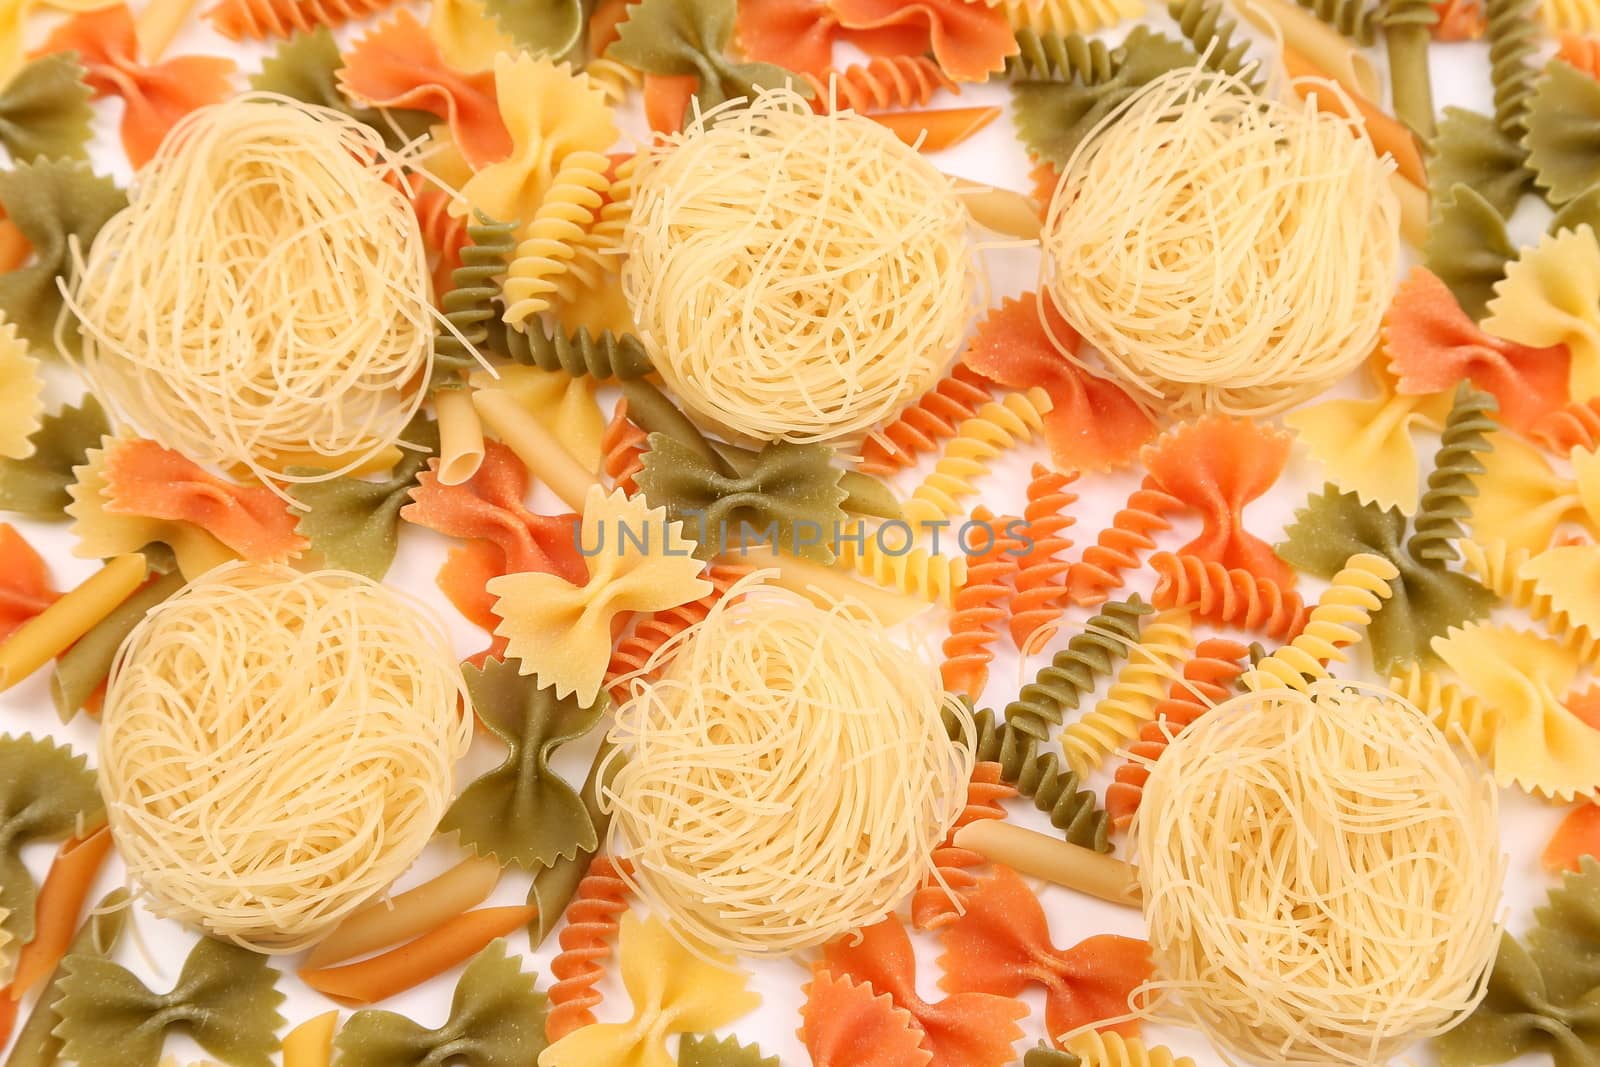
(1153, 664)
(929, 420)
(1099, 573)
(632, 656)
(941, 899)
(1358, 590)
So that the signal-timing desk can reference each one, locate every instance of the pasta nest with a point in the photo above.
(264, 300)
(788, 776)
(1321, 876)
(795, 276)
(278, 747)
(1223, 251)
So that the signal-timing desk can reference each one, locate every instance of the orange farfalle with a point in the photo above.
(399, 65)
(1216, 466)
(154, 97)
(969, 41)
(938, 129)
(503, 536)
(1581, 52)
(1459, 20)
(666, 100)
(1432, 344)
(796, 34)
(939, 900)
(25, 588)
(1002, 944)
(1577, 836)
(1092, 424)
(152, 482)
(962, 1030)
(844, 1024)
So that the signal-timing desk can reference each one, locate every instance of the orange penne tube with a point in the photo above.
(939, 128)
(435, 952)
(1387, 134)
(666, 100)
(409, 914)
(61, 899)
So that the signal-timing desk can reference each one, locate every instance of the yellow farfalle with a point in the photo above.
(638, 561)
(1538, 745)
(1551, 296)
(564, 404)
(1567, 578)
(551, 112)
(21, 393)
(467, 36)
(1522, 501)
(674, 991)
(1365, 446)
(102, 534)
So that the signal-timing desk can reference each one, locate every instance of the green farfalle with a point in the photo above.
(44, 110)
(45, 789)
(1519, 1015)
(1564, 132)
(353, 523)
(554, 886)
(1053, 117)
(1468, 247)
(1427, 601)
(37, 1044)
(651, 411)
(226, 999)
(496, 1020)
(1581, 210)
(703, 1050)
(553, 27)
(1565, 939)
(37, 486)
(522, 812)
(81, 669)
(790, 496)
(1470, 150)
(677, 37)
(51, 201)
(305, 67)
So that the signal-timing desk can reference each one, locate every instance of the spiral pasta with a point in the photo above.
(1513, 65)
(1444, 504)
(1072, 672)
(938, 902)
(1206, 24)
(1350, 600)
(1041, 588)
(1118, 546)
(597, 253)
(622, 449)
(616, 80)
(1039, 776)
(1107, 1048)
(1448, 706)
(977, 609)
(1354, 19)
(468, 304)
(1503, 570)
(883, 83)
(1132, 699)
(593, 918)
(1575, 426)
(241, 19)
(1068, 16)
(633, 653)
(999, 425)
(1570, 16)
(1227, 597)
(927, 421)
(550, 240)
(603, 357)
(918, 572)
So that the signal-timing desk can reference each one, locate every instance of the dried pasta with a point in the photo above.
(335, 655)
(1073, 672)
(1038, 776)
(978, 608)
(1551, 296)
(942, 895)
(921, 425)
(593, 918)
(882, 83)
(21, 394)
(1110, 1049)
(47, 793)
(1068, 16)
(997, 426)
(1523, 502)
(1352, 596)
(916, 573)
(845, 1024)
(1506, 571)
(1179, 342)
(860, 707)
(1041, 579)
(1131, 701)
(1562, 118)
(1117, 547)
(1458, 713)
(240, 19)
(1227, 597)
(695, 321)
(44, 109)
(1577, 425)
(687, 41)
(968, 41)
(39, 485)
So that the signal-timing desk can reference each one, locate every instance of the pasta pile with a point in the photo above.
(276, 748)
(786, 775)
(1223, 251)
(264, 299)
(795, 276)
(1321, 876)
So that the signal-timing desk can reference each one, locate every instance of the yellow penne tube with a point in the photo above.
(1413, 210)
(381, 460)
(409, 914)
(1320, 43)
(1000, 210)
(311, 1043)
(53, 630)
(1054, 860)
(460, 436)
(544, 456)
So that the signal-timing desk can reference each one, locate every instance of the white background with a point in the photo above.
(996, 156)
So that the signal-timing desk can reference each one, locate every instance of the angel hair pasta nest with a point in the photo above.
(1321, 876)
(795, 276)
(277, 748)
(787, 777)
(1223, 251)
